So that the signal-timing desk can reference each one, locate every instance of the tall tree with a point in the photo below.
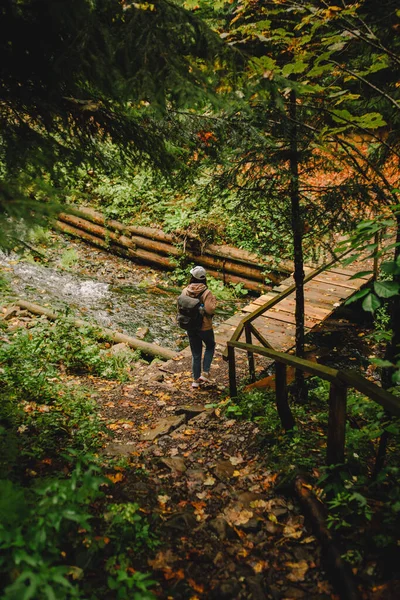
(78, 72)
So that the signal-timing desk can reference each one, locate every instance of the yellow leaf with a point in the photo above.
(115, 478)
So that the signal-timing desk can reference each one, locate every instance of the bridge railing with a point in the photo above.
(340, 381)
(246, 324)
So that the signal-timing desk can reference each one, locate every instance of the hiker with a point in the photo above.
(196, 306)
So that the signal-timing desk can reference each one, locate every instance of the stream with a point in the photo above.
(121, 307)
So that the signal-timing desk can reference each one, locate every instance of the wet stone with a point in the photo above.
(116, 449)
(11, 312)
(182, 521)
(224, 469)
(175, 463)
(163, 427)
(191, 410)
(141, 333)
(251, 526)
(119, 348)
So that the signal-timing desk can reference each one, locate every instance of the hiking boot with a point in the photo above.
(205, 377)
(195, 384)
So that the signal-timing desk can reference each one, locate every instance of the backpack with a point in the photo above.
(190, 312)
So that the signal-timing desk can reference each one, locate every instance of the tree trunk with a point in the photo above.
(115, 336)
(297, 230)
(393, 347)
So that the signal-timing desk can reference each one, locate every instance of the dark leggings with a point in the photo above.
(196, 340)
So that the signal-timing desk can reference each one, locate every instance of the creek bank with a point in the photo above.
(104, 289)
(155, 247)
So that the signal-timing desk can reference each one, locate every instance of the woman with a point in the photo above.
(197, 288)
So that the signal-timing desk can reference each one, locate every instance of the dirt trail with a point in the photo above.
(225, 533)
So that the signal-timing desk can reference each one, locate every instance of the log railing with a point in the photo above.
(340, 381)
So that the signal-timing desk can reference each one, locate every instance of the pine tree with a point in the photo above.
(78, 74)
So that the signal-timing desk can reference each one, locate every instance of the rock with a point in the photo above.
(141, 333)
(251, 526)
(222, 529)
(224, 469)
(227, 591)
(182, 521)
(11, 312)
(119, 449)
(163, 427)
(246, 498)
(255, 586)
(175, 463)
(191, 410)
(119, 349)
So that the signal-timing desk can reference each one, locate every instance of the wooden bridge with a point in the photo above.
(270, 319)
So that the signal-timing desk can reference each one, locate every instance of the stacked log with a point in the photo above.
(155, 247)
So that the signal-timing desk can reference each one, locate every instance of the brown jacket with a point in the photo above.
(199, 290)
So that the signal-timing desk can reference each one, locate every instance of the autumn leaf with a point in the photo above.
(292, 532)
(209, 481)
(163, 499)
(198, 587)
(115, 478)
(163, 560)
(238, 517)
(299, 570)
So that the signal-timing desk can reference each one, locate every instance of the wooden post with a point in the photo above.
(250, 355)
(282, 404)
(336, 424)
(232, 372)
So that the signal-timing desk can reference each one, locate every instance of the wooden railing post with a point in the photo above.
(232, 371)
(282, 404)
(336, 424)
(250, 355)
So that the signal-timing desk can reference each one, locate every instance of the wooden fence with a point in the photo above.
(340, 381)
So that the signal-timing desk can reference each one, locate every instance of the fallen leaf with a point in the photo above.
(209, 481)
(115, 478)
(189, 432)
(169, 574)
(235, 460)
(291, 532)
(163, 499)
(198, 587)
(163, 560)
(238, 517)
(299, 570)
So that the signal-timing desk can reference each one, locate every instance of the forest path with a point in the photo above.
(224, 531)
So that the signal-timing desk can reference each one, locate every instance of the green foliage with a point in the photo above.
(34, 356)
(128, 527)
(49, 536)
(69, 258)
(36, 528)
(52, 529)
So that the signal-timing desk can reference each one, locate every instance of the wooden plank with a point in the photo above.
(330, 288)
(350, 272)
(311, 310)
(341, 280)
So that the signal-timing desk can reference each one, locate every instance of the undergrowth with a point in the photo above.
(364, 507)
(61, 534)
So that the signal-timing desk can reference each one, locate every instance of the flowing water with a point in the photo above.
(122, 308)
